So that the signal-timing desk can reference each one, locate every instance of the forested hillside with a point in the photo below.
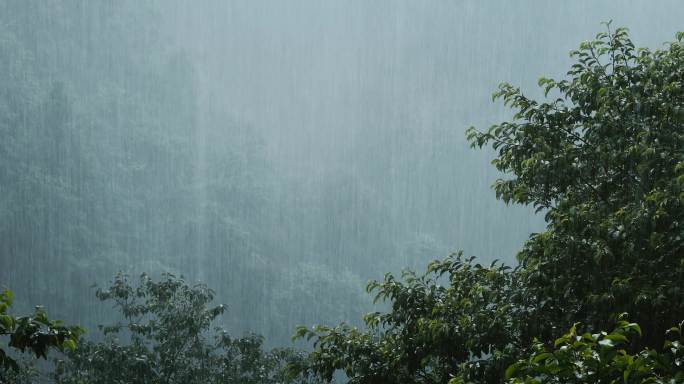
(109, 166)
(126, 148)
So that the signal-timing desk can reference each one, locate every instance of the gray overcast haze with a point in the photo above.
(284, 152)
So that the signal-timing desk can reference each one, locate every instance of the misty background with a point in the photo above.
(283, 152)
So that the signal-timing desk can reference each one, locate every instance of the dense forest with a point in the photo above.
(160, 158)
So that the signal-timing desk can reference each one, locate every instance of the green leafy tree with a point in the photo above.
(166, 336)
(605, 161)
(603, 157)
(34, 333)
(432, 332)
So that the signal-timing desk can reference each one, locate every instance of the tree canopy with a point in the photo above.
(605, 162)
(601, 156)
(168, 335)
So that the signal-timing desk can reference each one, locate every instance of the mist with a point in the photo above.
(283, 153)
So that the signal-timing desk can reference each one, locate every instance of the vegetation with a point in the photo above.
(35, 334)
(431, 331)
(603, 158)
(166, 336)
(605, 162)
(601, 358)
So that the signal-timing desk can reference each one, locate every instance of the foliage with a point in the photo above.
(605, 161)
(431, 331)
(602, 358)
(166, 336)
(35, 333)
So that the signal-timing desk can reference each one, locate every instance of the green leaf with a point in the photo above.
(512, 370)
(69, 344)
(616, 337)
(542, 356)
(7, 322)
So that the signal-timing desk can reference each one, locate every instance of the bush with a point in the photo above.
(166, 336)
